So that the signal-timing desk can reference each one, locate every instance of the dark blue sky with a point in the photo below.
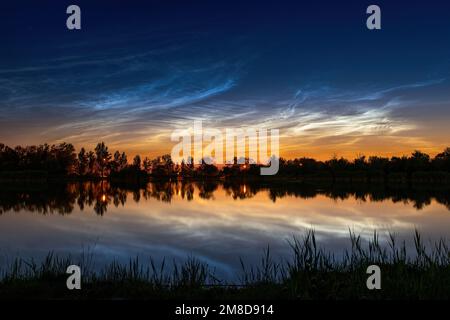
(137, 70)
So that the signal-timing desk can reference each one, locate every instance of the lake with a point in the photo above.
(219, 223)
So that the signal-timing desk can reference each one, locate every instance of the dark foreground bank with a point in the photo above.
(310, 273)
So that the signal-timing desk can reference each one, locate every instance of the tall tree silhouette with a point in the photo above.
(83, 162)
(103, 157)
(137, 162)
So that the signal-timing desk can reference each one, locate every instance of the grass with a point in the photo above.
(310, 273)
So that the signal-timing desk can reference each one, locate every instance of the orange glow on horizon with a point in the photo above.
(291, 152)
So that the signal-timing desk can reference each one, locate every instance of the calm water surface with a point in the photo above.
(214, 222)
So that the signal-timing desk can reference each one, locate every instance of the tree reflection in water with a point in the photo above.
(62, 198)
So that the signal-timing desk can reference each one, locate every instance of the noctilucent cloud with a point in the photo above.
(136, 71)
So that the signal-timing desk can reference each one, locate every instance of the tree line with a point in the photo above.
(63, 160)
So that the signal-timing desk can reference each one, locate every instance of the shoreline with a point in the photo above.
(419, 178)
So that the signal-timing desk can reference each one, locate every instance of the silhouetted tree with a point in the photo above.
(115, 162)
(103, 157)
(146, 164)
(442, 160)
(91, 163)
(137, 162)
(123, 161)
(83, 162)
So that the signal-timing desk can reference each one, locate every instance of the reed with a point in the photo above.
(309, 273)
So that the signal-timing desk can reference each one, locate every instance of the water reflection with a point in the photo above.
(216, 222)
(63, 199)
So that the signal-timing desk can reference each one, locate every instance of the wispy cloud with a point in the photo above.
(137, 95)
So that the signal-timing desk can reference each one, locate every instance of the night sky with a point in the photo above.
(138, 70)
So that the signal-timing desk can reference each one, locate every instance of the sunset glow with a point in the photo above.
(327, 97)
